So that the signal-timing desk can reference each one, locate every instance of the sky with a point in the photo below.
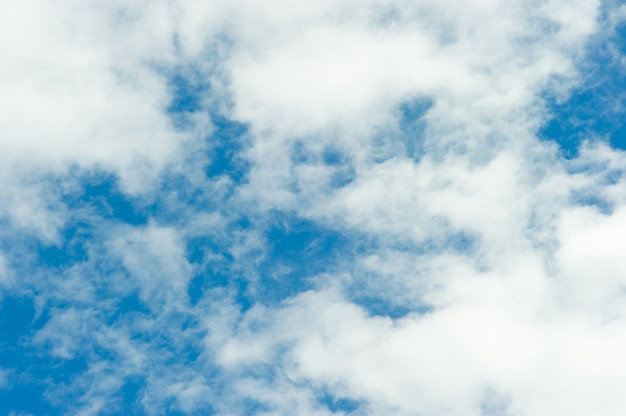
(338, 207)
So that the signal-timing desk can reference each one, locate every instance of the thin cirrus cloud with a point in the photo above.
(333, 207)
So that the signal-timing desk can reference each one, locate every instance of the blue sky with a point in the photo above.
(329, 208)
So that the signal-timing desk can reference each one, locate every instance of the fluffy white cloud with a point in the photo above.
(505, 256)
(525, 319)
(83, 94)
(336, 75)
(84, 88)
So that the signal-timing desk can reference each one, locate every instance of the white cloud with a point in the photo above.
(156, 258)
(529, 313)
(6, 277)
(513, 279)
(592, 267)
(83, 94)
(66, 332)
(446, 362)
(4, 378)
(338, 79)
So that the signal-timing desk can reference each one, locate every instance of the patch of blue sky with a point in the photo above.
(595, 109)
(339, 405)
(380, 296)
(171, 407)
(227, 143)
(248, 406)
(189, 91)
(205, 411)
(494, 404)
(298, 249)
(32, 371)
(381, 306)
(301, 242)
(26, 398)
(16, 315)
(72, 248)
(377, 297)
(216, 268)
(332, 156)
(235, 285)
(95, 201)
(64, 382)
(131, 394)
(188, 88)
(35, 374)
(595, 196)
(412, 125)
(177, 199)
(195, 290)
(205, 252)
(130, 304)
(102, 198)
(407, 138)
(587, 199)
(33, 365)
(451, 240)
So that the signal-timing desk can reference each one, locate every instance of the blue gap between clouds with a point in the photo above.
(377, 306)
(339, 404)
(227, 143)
(30, 372)
(407, 139)
(99, 198)
(171, 409)
(131, 393)
(597, 109)
(97, 201)
(190, 95)
(343, 171)
(33, 373)
(128, 305)
(210, 275)
(377, 302)
(298, 249)
(413, 125)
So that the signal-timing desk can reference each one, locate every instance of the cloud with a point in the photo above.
(155, 258)
(339, 82)
(82, 94)
(332, 207)
(4, 378)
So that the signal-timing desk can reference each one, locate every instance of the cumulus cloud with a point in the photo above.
(82, 93)
(162, 162)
